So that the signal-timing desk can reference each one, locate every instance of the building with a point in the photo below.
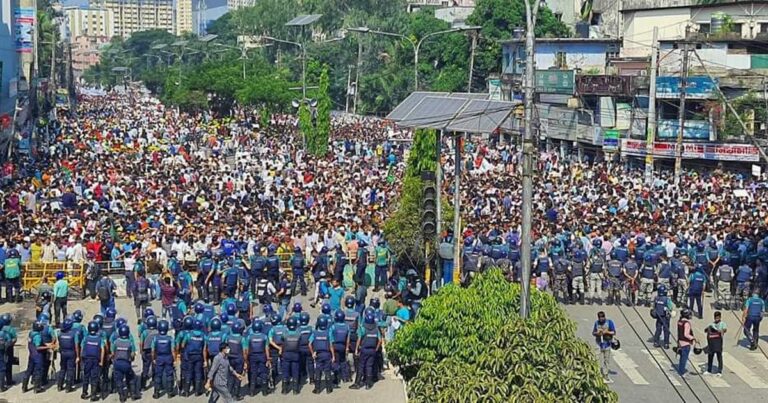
(90, 21)
(141, 15)
(587, 55)
(9, 60)
(414, 5)
(85, 52)
(204, 12)
(456, 16)
(732, 19)
(235, 4)
(184, 17)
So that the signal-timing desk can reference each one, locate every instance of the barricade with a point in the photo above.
(33, 273)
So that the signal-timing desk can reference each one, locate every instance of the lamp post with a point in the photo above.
(303, 62)
(416, 44)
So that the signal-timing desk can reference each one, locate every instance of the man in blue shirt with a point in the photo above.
(752, 316)
(123, 353)
(604, 331)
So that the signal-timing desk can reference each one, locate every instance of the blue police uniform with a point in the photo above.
(162, 349)
(230, 280)
(297, 268)
(339, 337)
(237, 345)
(755, 307)
(291, 357)
(273, 267)
(147, 338)
(35, 367)
(258, 374)
(193, 345)
(90, 356)
(306, 365)
(369, 336)
(243, 304)
(204, 269)
(258, 264)
(320, 341)
(125, 378)
(68, 342)
(276, 336)
(697, 281)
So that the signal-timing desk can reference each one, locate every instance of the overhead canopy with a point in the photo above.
(461, 112)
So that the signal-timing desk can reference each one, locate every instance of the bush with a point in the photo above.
(469, 344)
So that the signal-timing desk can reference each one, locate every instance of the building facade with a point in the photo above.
(90, 21)
(141, 15)
(235, 4)
(184, 17)
(85, 52)
(9, 58)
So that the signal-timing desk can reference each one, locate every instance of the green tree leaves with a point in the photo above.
(469, 344)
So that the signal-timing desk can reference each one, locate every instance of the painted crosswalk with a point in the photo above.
(657, 358)
(629, 367)
(699, 367)
(742, 371)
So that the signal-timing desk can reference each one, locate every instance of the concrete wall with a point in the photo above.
(715, 57)
(8, 56)
(638, 29)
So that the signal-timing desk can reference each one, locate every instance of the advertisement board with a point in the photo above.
(694, 129)
(24, 19)
(611, 139)
(555, 81)
(698, 87)
(705, 151)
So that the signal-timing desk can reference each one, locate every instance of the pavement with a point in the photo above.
(389, 390)
(642, 373)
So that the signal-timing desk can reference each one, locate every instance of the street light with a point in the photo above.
(416, 45)
(303, 61)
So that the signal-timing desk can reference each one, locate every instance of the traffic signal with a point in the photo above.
(429, 209)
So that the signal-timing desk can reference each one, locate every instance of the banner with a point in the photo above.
(697, 87)
(494, 90)
(24, 20)
(704, 151)
(611, 139)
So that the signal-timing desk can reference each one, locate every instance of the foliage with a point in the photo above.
(323, 129)
(305, 125)
(469, 344)
(743, 105)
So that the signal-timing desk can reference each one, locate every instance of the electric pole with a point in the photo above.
(472, 59)
(650, 131)
(681, 112)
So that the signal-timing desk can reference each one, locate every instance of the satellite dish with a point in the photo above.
(295, 103)
(313, 103)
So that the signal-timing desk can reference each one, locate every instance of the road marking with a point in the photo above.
(713, 381)
(758, 358)
(663, 361)
(746, 374)
(629, 367)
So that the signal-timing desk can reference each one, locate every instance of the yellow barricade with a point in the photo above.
(33, 273)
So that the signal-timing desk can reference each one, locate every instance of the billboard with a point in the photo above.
(555, 81)
(24, 19)
(694, 129)
(697, 87)
(704, 151)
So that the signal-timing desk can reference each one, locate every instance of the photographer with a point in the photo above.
(715, 334)
(415, 291)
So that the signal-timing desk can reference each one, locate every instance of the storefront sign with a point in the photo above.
(705, 151)
(611, 139)
(555, 81)
(604, 85)
(694, 129)
(698, 87)
(24, 25)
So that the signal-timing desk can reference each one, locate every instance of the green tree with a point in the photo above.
(305, 126)
(470, 344)
(323, 129)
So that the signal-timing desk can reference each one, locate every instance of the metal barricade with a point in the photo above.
(33, 274)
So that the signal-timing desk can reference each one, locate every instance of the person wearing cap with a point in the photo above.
(60, 295)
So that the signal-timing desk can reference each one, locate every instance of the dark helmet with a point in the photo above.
(189, 322)
(349, 302)
(662, 290)
(615, 344)
(148, 312)
(37, 326)
(162, 327)
(98, 319)
(275, 319)
(59, 275)
(177, 324)
(369, 318)
(304, 318)
(231, 309)
(224, 317)
(237, 327)
(123, 331)
(326, 309)
(120, 322)
(66, 326)
(296, 250)
(78, 316)
(685, 313)
(322, 323)
(111, 313)
(93, 327)
(13, 253)
(361, 243)
(339, 316)
(375, 303)
(292, 323)
(623, 241)
(207, 254)
(468, 241)
(198, 324)
(257, 326)
(173, 253)
(215, 324)
(297, 307)
(152, 322)
(597, 243)
(268, 309)
(199, 307)
(46, 295)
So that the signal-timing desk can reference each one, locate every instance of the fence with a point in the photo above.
(33, 274)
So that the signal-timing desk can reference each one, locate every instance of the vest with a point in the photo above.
(514, 254)
(621, 253)
(755, 308)
(123, 349)
(92, 347)
(305, 332)
(631, 268)
(647, 272)
(681, 331)
(279, 334)
(597, 265)
(726, 274)
(151, 334)
(273, 264)
(614, 268)
(231, 278)
(195, 343)
(352, 320)
(208, 313)
(142, 289)
(205, 267)
(257, 344)
(496, 252)
(660, 307)
(470, 262)
(381, 256)
(321, 342)
(297, 263)
(163, 345)
(262, 287)
(291, 344)
(577, 268)
(213, 342)
(243, 303)
(12, 268)
(744, 274)
(697, 283)
(340, 333)
(235, 346)
(371, 338)
(542, 264)
(67, 341)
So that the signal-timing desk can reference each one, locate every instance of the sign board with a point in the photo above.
(694, 129)
(704, 151)
(24, 19)
(698, 87)
(607, 112)
(623, 115)
(494, 90)
(756, 171)
(555, 81)
(611, 139)
(604, 85)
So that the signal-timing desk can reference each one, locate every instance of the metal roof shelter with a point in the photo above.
(302, 20)
(459, 112)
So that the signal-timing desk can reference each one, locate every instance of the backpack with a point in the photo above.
(142, 288)
(4, 344)
(423, 293)
(103, 291)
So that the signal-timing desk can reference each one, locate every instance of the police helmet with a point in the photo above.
(189, 322)
(623, 241)
(375, 303)
(322, 274)
(173, 253)
(215, 324)
(339, 316)
(326, 309)
(361, 243)
(268, 309)
(271, 249)
(207, 254)
(411, 273)
(369, 318)
(177, 324)
(66, 325)
(597, 243)
(349, 302)
(123, 332)
(13, 253)
(162, 327)
(224, 317)
(152, 322)
(237, 327)
(685, 313)
(98, 319)
(198, 325)
(700, 245)
(324, 249)
(615, 344)
(111, 313)
(322, 323)
(275, 319)
(120, 322)
(304, 318)
(640, 240)
(662, 290)
(45, 317)
(199, 307)
(648, 258)
(297, 307)
(78, 316)
(148, 312)
(257, 326)
(292, 323)
(59, 275)
(45, 295)
(93, 327)
(468, 241)
(231, 309)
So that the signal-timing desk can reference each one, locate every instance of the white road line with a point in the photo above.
(758, 358)
(629, 367)
(743, 372)
(666, 368)
(713, 381)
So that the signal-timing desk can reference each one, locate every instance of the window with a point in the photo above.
(705, 28)
(560, 60)
(596, 19)
(736, 28)
(764, 27)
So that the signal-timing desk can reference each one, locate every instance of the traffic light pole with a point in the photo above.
(439, 185)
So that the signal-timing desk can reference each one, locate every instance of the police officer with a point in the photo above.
(596, 273)
(679, 272)
(213, 340)
(306, 366)
(257, 351)
(322, 355)
(665, 272)
(543, 266)
(578, 263)
(290, 355)
(257, 266)
(697, 280)
(743, 281)
(647, 279)
(340, 339)
(192, 346)
(361, 264)
(35, 366)
(339, 262)
(470, 262)
(273, 264)
(92, 355)
(662, 312)
(751, 317)
(276, 335)
(560, 269)
(185, 282)
(615, 275)
(163, 347)
(243, 304)
(237, 345)
(231, 275)
(147, 339)
(204, 269)
(368, 344)
(724, 277)
(621, 252)
(123, 353)
(49, 339)
(284, 294)
(10, 331)
(297, 272)
(12, 271)
(68, 350)
(5, 341)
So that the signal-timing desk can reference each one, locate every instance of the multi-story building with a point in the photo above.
(141, 15)
(235, 4)
(184, 17)
(85, 52)
(90, 21)
(9, 62)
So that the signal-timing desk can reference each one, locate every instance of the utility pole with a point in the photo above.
(472, 59)
(681, 112)
(349, 83)
(531, 9)
(650, 132)
(457, 143)
(765, 98)
(439, 185)
(357, 72)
